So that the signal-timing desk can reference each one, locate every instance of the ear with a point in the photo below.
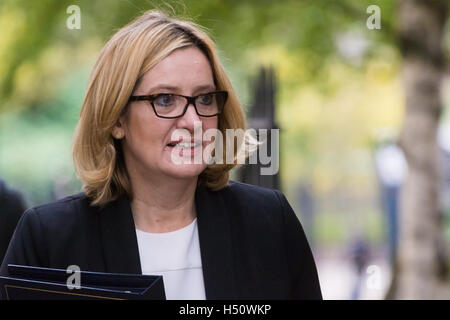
(118, 130)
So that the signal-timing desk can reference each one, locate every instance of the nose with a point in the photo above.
(188, 120)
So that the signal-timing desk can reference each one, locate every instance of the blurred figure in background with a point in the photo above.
(11, 209)
(391, 170)
(360, 256)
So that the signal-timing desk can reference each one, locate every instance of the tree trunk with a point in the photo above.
(421, 31)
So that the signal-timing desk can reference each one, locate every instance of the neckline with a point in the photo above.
(161, 234)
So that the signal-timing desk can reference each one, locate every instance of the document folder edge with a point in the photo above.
(154, 282)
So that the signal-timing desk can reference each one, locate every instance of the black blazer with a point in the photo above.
(252, 244)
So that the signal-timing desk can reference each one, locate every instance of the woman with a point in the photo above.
(142, 212)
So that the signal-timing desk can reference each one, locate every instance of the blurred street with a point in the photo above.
(338, 277)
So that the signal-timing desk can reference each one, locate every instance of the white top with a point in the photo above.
(176, 256)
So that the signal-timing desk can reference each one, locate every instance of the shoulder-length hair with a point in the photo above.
(125, 58)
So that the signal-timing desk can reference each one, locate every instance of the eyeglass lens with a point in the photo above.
(171, 105)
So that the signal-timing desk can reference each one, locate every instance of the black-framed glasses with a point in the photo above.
(171, 106)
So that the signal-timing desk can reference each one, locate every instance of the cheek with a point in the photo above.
(145, 132)
(210, 123)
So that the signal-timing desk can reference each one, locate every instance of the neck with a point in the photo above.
(163, 206)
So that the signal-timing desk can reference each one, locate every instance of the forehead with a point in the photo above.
(184, 68)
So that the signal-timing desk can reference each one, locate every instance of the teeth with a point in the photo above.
(187, 145)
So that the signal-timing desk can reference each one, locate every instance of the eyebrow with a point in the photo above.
(177, 89)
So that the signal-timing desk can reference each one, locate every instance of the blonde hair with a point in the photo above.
(125, 58)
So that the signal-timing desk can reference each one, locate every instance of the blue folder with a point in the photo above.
(35, 283)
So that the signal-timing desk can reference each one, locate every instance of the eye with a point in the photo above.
(206, 99)
(164, 100)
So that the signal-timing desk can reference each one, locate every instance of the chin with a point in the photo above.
(185, 171)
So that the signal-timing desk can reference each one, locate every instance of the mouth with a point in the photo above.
(185, 148)
(183, 144)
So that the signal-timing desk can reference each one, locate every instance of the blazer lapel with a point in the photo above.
(215, 245)
(121, 253)
(118, 235)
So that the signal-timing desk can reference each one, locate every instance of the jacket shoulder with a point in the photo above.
(249, 193)
(254, 202)
(54, 234)
(65, 205)
(248, 189)
(65, 212)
